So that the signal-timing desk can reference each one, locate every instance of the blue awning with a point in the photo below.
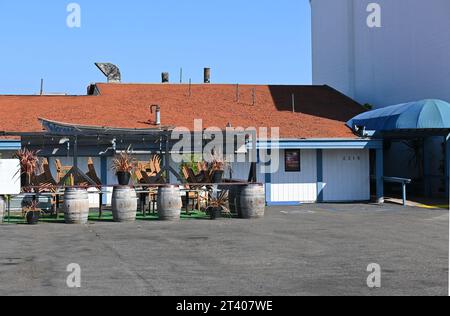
(420, 115)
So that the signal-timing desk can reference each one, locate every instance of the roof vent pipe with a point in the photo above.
(156, 109)
(165, 77)
(207, 75)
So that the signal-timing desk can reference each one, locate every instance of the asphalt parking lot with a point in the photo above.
(306, 250)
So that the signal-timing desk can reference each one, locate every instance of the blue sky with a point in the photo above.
(243, 41)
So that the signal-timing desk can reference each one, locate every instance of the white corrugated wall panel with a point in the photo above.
(346, 175)
(296, 186)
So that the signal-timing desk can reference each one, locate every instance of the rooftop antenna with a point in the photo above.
(293, 103)
(42, 87)
(190, 87)
(181, 75)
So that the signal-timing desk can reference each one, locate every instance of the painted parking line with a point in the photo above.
(433, 207)
(297, 212)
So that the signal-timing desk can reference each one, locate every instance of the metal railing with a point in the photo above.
(403, 182)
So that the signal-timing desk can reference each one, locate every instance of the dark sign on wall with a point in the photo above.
(292, 161)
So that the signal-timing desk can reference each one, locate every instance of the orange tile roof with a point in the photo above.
(321, 112)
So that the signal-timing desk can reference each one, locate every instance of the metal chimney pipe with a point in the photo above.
(207, 75)
(165, 77)
(156, 109)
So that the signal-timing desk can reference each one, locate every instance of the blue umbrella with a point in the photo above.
(425, 114)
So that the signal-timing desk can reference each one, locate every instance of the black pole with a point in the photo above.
(9, 209)
(252, 175)
(75, 152)
(167, 162)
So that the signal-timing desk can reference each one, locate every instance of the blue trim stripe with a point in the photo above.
(322, 144)
(268, 188)
(380, 175)
(10, 145)
(104, 169)
(289, 203)
(319, 175)
(447, 165)
(268, 183)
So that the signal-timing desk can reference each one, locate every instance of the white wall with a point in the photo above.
(9, 176)
(346, 175)
(296, 186)
(344, 181)
(331, 44)
(404, 60)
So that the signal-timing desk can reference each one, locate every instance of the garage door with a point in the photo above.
(346, 175)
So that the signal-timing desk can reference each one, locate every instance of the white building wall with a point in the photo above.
(346, 175)
(404, 60)
(296, 186)
(331, 44)
(344, 181)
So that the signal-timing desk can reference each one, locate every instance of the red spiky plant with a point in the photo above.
(29, 163)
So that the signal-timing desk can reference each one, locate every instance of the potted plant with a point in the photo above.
(123, 165)
(28, 164)
(218, 205)
(216, 168)
(32, 213)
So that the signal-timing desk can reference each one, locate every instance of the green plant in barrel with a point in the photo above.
(124, 164)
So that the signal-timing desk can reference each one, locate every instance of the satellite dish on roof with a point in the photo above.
(111, 72)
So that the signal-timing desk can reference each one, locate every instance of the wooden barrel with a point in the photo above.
(169, 203)
(252, 201)
(2, 209)
(124, 204)
(76, 206)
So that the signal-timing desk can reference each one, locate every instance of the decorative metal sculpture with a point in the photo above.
(111, 72)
